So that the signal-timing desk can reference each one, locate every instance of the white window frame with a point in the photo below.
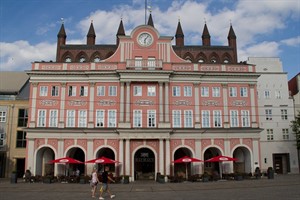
(84, 91)
(176, 91)
(285, 134)
(72, 91)
(53, 118)
(151, 90)
(284, 114)
(187, 91)
(101, 90)
(138, 62)
(204, 91)
(151, 118)
(268, 113)
(245, 115)
(151, 62)
(267, 94)
(270, 134)
(244, 92)
(232, 91)
(100, 116)
(188, 118)
(42, 118)
(112, 118)
(55, 91)
(217, 115)
(71, 114)
(43, 91)
(216, 91)
(278, 94)
(234, 118)
(112, 90)
(205, 118)
(82, 118)
(2, 116)
(176, 118)
(137, 118)
(137, 90)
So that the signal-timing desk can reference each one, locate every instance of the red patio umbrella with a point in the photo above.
(66, 160)
(186, 160)
(221, 159)
(102, 160)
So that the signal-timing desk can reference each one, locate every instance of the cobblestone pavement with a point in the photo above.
(282, 187)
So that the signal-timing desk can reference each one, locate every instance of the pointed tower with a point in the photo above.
(232, 42)
(179, 35)
(91, 36)
(120, 32)
(61, 40)
(205, 36)
(150, 20)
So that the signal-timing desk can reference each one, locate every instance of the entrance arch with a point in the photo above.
(144, 164)
(108, 153)
(212, 167)
(180, 168)
(43, 157)
(78, 154)
(243, 164)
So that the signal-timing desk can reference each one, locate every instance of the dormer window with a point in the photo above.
(68, 59)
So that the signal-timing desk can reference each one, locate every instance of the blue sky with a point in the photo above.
(264, 28)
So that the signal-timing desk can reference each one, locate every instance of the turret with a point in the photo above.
(120, 32)
(61, 40)
(179, 35)
(205, 36)
(150, 21)
(91, 36)
(232, 42)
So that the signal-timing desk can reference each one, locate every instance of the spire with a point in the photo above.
(150, 20)
(179, 35)
(121, 31)
(205, 36)
(61, 40)
(232, 42)
(62, 32)
(91, 36)
(231, 34)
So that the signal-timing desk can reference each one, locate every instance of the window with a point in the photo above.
(43, 91)
(284, 115)
(205, 119)
(278, 94)
(68, 60)
(285, 134)
(151, 91)
(2, 139)
(21, 139)
(82, 59)
(188, 118)
(270, 135)
(176, 91)
(138, 62)
(216, 91)
(72, 91)
(97, 59)
(41, 118)
(71, 118)
(53, 118)
(82, 118)
(54, 91)
(245, 118)
(100, 90)
(217, 118)
(234, 122)
(176, 118)
(137, 118)
(137, 90)
(232, 92)
(243, 92)
(2, 116)
(268, 113)
(112, 118)
(204, 91)
(151, 118)
(151, 62)
(100, 118)
(187, 91)
(267, 94)
(112, 91)
(83, 91)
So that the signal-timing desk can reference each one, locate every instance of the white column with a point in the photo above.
(33, 105)
(128, 102)
(197, 106)
(121, 157)
(30, 156)
(227, 166)
(225, 103)
(161, 108)
(167, 117)
(61, 123)
(253, 106)
(127, 157)
(90, 155)
(161, 156)
(198, 152)
(91, 123)
(168, 159)
(122, 97)
(255, 159)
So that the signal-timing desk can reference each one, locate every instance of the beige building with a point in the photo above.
(14, 101)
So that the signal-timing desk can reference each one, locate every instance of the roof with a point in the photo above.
(12, 82)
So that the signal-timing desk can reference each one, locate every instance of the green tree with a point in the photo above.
(296, 129)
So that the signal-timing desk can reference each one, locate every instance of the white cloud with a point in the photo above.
(295, 41)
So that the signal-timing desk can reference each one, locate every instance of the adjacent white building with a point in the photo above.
(276, 111)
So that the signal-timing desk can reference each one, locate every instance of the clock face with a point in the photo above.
(145, 39)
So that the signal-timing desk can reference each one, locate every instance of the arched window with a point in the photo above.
(68, 59)
(82, 59)
(213, 60)
(226, 61)
(201, 60)
(97, 59)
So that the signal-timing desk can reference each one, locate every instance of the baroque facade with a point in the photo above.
(145, 103)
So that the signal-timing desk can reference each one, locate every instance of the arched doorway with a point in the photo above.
(78, 154)
(243, 164)
(212, 167)
(180, 168)
(43, 157)
(108, 153)
(144, 164)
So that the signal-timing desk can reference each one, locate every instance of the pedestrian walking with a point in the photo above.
(94, 182)
(104, 187)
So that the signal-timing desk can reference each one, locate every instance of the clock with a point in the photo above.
(145, 39)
